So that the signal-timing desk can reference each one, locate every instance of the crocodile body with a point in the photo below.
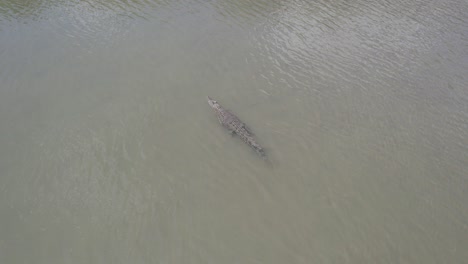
(234, 125)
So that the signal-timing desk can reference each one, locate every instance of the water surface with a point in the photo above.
(109, 152)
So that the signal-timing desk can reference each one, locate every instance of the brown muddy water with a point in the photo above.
(109, 152)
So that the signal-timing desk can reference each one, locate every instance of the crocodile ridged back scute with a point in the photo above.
(235, 125)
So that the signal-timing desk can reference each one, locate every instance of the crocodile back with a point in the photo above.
(235, 125)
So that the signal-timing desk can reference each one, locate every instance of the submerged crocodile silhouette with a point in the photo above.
(235, 126)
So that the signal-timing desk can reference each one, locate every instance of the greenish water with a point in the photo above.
(109, 152)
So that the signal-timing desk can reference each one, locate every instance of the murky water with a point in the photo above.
(109, 152)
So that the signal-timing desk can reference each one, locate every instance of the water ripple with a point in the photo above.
(49, 10)
(331, 40)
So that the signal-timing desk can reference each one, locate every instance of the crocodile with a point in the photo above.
(235, 126)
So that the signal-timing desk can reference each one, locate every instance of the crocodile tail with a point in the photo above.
(259, 150)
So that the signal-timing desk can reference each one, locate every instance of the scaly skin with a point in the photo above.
(235, 126)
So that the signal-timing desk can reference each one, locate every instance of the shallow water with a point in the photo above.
(109, 152)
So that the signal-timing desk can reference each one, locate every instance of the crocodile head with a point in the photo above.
(214, 104)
